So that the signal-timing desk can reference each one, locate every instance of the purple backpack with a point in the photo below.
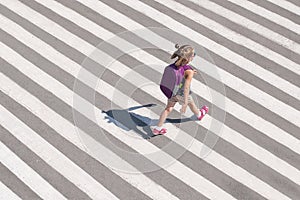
(171, 79)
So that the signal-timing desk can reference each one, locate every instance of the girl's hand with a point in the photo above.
(183, 108)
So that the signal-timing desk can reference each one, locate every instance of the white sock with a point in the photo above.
(203, 112)
(158, 128)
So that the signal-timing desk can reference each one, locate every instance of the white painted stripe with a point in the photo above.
(53, 157)
(200, 89)
(79, 19)
(43, 22)
(263, 188)
(199, 183)
(123, 67)
(214, 158)
(276, 81)
(260, 124)
(231, 56)
(245, 22)
(179, 170)
(287, 5)
(264, 99)
(6, 193)
(232, 137)
(232, 82)
(68, 131)
(235, 109)
(278, 19)
(244, 41)
(146, 185)
(111, 129)
(237, 84)
(33, 180)
(86, 48)
(233, 36)
(119, 64)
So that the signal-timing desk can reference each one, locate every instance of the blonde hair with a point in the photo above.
(183, 53)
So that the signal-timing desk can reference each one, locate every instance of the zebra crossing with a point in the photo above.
(79, 94)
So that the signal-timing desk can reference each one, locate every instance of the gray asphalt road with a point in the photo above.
(79, 96)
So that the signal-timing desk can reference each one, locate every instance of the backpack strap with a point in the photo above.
(187, 67)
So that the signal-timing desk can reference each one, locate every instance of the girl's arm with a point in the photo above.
(189, 76)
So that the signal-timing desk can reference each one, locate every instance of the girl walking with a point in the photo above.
(184, 55)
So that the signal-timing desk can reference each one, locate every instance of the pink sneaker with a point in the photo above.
(205, 109)
(161, 132)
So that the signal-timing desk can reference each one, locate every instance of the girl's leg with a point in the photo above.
(163, 116)
(165, 113)
(199, 113)
(194, 108)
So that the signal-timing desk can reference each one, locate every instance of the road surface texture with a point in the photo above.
(79, 96)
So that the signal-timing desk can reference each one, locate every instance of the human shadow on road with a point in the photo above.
(128, 120)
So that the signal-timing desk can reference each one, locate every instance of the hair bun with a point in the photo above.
(177, 46)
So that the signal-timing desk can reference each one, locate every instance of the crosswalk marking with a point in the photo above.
(65, 128)
(222, 74)
(268, 15)
(286, 5)
(272, 104)
(6, 193)
(178, 170)
(54, 158)
(214, 158)
(229, 139)
(154, 14)
(255, 27)
(232, 35)
(230, 78)
(27, 175)
(228, 134)
(56, 89)
(273, 170)
(240, 61)
(252, 119)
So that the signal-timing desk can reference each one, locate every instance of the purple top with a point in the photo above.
(181, 87)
